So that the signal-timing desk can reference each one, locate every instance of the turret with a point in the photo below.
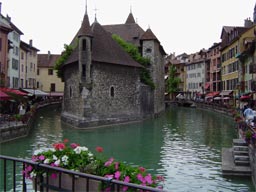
(85, 53)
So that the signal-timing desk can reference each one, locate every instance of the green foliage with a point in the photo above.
(173, 81)
(134, 53)
(62, 59)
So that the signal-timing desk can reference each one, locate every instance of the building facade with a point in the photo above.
(47, 79)
(102, 81)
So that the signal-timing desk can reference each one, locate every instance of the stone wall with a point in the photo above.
(157, 73)
(114, 96)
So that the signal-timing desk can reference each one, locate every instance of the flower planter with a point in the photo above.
(80, 184)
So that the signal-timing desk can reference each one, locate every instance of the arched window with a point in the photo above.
(112, 91)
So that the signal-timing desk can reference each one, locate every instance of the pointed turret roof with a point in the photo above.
(130, 19)
(85, 29)
(105, 49)
(149, 35)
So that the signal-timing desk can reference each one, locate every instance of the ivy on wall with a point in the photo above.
(133, 51)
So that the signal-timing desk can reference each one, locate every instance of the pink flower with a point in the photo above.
(109, 162)
(34, 158)
(141, 178)
(29, 168)
(73, 145)
(65, 140)
(126, 180)
(53, 175)
(148, 179)
(116, 165)
(41, 157)
(117, 175)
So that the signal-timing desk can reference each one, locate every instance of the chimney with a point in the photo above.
(248, 23)
(0, 7)
(49, 55)
(31, 43)
(8, 18)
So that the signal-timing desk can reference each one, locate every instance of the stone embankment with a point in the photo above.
(12, 128)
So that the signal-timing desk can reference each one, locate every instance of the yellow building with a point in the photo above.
(47, 76)
(246, 58)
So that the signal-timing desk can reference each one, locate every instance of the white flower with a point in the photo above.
(79, 149)
(64, 159)
(57, 163)
(38, 151)
(54, 157)
(32, 174)
(46, 161)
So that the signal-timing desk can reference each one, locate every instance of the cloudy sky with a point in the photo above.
(180, 25)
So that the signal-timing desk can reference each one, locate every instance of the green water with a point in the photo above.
(184, 145)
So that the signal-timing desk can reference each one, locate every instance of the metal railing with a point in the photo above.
(12, 173)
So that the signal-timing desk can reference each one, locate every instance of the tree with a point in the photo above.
(172, 81)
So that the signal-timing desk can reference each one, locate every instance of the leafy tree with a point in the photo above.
(172, 81)
(68, 49)
(135, 54)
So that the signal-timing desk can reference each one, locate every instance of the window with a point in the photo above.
(22, 55)
(50, 71)
(38, 72)
(52, 88)
(148, 50)
(84, 44)
(0, 44)
(112, 92)
(83, 71)
(70, 92)
(15, 64)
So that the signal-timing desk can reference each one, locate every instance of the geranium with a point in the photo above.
(80, 158)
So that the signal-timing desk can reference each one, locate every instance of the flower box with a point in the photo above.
(80, 184)
(79, 159)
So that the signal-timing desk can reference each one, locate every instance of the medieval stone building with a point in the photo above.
(102, 82)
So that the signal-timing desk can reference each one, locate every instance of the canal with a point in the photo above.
(183, 144)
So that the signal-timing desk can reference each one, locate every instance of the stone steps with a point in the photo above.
(235, 160)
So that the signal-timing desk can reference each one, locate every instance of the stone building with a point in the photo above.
(102, 82)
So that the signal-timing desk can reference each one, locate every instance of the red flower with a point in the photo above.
(65, 141)
(142, 169)
(59, 146)
(99, 149)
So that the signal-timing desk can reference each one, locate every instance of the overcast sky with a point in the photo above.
(180, 25)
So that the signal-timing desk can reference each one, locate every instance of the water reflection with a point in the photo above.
(184, 145)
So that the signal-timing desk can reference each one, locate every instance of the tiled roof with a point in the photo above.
(85, 27)
(149, 35)
(105, 49)
(47, 60)
(130, 19)
(27, 46)
(131, 33)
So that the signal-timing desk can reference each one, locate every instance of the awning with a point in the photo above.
(212, 94)
(226, 93)
(15, 91)
(207, 85)
(226, 98)
(245, 97)
(36, 92)
(4, 96)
